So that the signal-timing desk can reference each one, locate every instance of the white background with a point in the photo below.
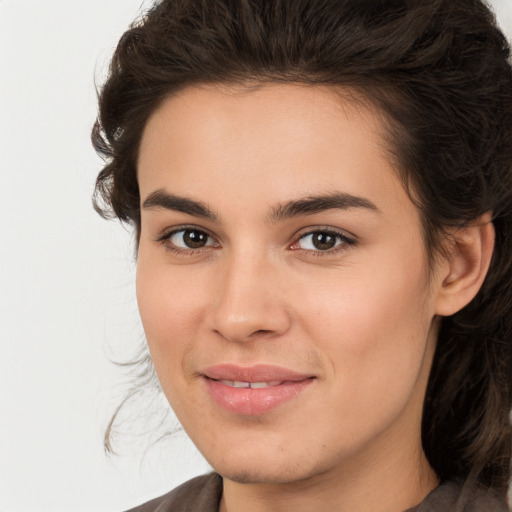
(66, 277)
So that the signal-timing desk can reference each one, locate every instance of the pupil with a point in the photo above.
(324, 241)
(194, 239)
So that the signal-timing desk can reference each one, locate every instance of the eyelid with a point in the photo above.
(164, 239)
(308, 230)
(347, 239)
(168, 231)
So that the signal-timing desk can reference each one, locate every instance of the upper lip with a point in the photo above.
(253, 373)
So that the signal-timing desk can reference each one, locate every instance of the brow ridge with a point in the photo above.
(295, 208)
(316, 204)
(162, 199)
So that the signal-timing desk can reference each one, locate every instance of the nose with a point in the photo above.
(249, 300)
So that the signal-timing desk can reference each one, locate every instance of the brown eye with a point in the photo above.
(190, 239)
(321, 241)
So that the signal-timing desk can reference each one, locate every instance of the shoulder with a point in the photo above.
(201, 493)
(453, 495)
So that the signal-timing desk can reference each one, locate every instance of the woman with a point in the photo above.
(322, 195)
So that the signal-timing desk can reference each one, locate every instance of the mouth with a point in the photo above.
(251, 385)
(254, 390)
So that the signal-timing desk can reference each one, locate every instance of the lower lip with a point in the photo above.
(254, 402)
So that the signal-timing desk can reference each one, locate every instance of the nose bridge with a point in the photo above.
(248, 301)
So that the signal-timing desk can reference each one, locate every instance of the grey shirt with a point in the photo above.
(203, 493)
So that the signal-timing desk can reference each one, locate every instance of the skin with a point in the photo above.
(360, 317)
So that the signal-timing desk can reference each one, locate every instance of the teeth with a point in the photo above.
(240, 384)
(252, 385)
(258, 385)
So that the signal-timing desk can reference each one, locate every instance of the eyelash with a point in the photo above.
(165, 241)
(343, 242)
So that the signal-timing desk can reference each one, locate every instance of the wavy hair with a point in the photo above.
(439, 73)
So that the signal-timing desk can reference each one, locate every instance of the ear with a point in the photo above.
(465, 266)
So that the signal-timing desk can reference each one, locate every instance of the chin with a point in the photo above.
(266, 472)
(258, 477)
(248, 477)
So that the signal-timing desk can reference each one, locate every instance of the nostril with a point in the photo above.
(241, 321)
(238, 335)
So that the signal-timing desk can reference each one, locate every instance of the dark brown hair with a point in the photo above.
(439, 72)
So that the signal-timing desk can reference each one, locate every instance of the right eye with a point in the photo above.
(188, 238)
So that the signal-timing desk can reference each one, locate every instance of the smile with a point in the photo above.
(252, 385)
(253, 390)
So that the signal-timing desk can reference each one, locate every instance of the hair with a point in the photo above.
(439, 73)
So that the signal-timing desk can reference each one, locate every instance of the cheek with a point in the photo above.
(170, 312)
(374, 330)
(369, 304)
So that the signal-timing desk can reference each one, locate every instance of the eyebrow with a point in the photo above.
(295, 208)
(167, 201)
(317, 204)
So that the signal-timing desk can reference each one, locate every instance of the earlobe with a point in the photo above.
(466, 265)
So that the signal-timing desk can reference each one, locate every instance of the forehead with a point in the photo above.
(271, 143)
(264, 108)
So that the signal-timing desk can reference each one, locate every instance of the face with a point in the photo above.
(282, 281)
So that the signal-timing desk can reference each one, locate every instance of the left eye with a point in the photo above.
(190, 239)
(320, 241)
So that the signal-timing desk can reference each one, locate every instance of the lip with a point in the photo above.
(285, 385)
